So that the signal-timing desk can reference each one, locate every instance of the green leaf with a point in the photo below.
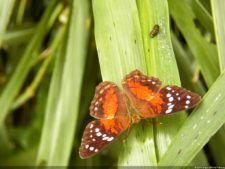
(202, 124)
(203, 15)
(6, 8)
(204, 52)
(13, 86)
(218, 7)
(123, 42)
(63, 105)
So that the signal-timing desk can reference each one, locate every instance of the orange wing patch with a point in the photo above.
(112, 126)
(140, 91)
(140, 87)
(116, 125)
(157, 103)
(107, 101)
(110, 105)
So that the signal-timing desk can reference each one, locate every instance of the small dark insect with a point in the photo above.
(154, 31)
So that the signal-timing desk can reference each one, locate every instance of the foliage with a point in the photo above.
(54, 53)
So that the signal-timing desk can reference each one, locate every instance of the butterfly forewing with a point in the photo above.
(107, 102)
(140, 88)
(100, 133)
(177, 99)
(171, 99)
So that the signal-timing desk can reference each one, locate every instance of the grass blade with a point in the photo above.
(202, 124)
(204, 52)
(203, 15)
(6, 8)
(219, 25)
(58, 138)
(23, 68)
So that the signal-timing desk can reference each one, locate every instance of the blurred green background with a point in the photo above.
(53, 53)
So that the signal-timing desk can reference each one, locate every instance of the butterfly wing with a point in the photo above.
(100, 133)
(150, 101)
(139, 88)
(107, 102)
(108, 105)
(171, 99)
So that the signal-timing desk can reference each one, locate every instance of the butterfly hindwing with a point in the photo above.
(100, 133)
(107, 102)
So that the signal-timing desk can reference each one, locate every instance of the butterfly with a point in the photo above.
(116, 110)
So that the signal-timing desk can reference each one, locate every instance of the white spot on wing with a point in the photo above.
(171, 99)
(105, 138)
(188, 96)
(168, 95)
(110, 139)
(168, 111)
(97, 130)
(168, 88)
(171, 106)
(186, 106)
(96, 150)
(95, 109)
(91, 148)
(188, 102)
(91, 126)
(86, 146)
(99, 134)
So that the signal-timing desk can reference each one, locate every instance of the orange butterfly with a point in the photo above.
(142, 97)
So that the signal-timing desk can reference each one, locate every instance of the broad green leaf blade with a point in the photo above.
(67, 107)
(161, 63)
(6, 9)
(204, 52)
(24, 65)
(202, 124)
(120, 49)
(116, 19)
(159, 54)
(218, 7)
(118, 38)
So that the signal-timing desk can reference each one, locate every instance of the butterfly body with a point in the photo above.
(141, 97)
